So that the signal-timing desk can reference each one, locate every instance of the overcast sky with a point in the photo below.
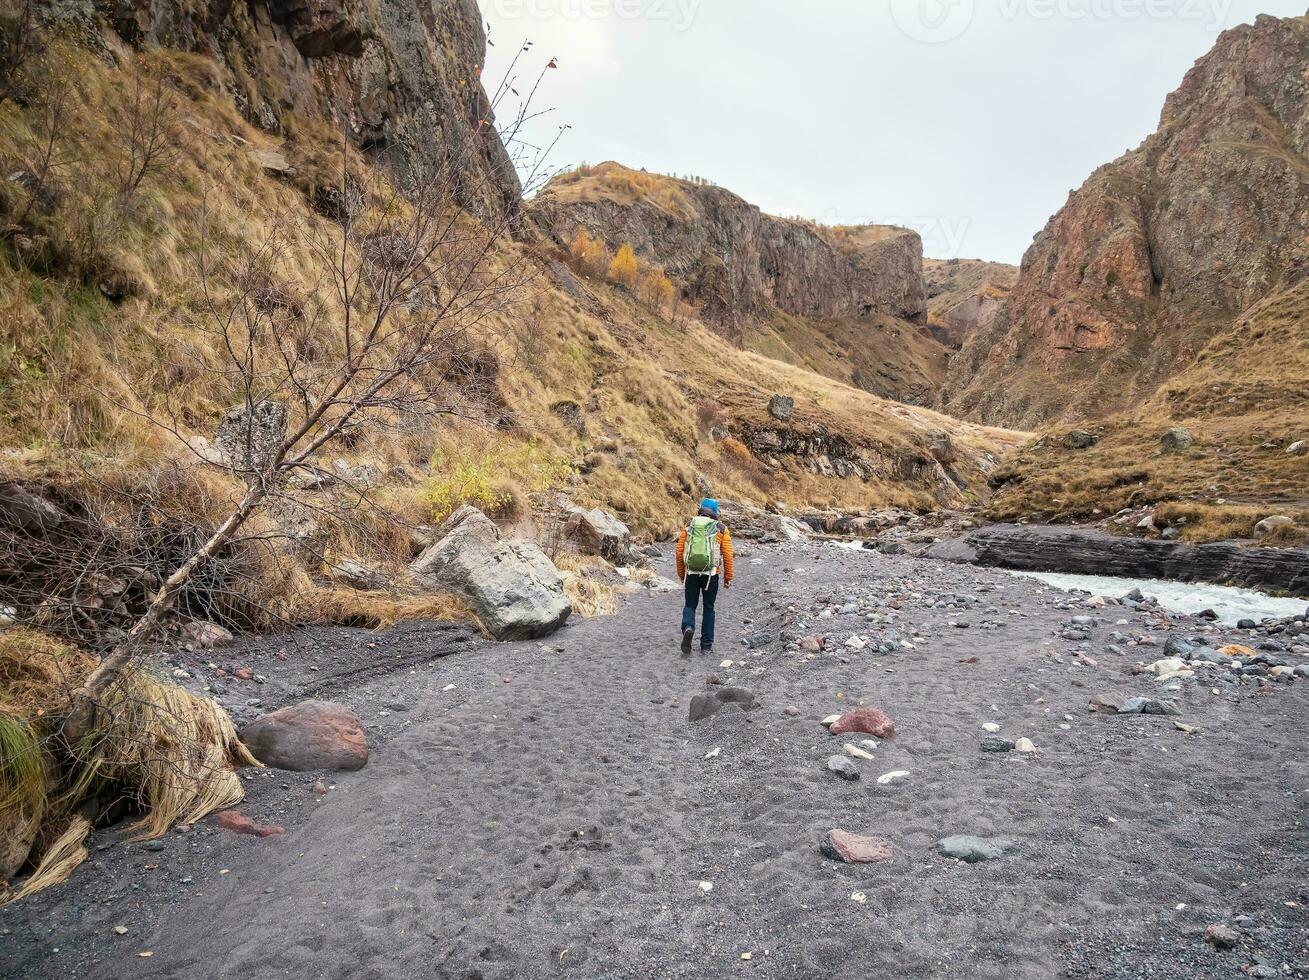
(969, 120)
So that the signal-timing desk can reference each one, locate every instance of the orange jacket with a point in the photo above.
(724, 545)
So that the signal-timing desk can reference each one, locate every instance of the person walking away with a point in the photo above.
(704, 558)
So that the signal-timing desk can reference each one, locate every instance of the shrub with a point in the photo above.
(656, 289)
(589, 255)
(494, 478)
(737, 452)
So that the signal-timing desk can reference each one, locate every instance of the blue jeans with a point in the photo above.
(697, 586)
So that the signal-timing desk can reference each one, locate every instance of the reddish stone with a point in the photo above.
(853, 849)
(244, 673)
(239, 823)
(865, 721)
(813, 644)
(1221, 937)
(307, 736)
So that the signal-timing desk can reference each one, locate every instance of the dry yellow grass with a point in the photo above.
(582, 575)
(1245, 400)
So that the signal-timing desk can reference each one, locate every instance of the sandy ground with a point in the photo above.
(554, 813)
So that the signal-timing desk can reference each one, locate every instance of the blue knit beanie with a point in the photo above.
(709, 505)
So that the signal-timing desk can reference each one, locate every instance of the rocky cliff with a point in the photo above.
(964, 295)
(389, 73)
(847, 303)
(736, 262)
(1162, 249)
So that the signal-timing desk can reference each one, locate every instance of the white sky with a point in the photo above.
(969, 120)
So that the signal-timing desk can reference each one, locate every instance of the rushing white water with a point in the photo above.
(1231, 604)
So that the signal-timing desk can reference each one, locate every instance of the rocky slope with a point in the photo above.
(964, 295)
(846, 302)
(1161, 250)
(389, 73)
(587, 389)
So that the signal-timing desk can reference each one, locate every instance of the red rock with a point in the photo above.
(813, 644)
(866, 721)
(791, 711)
(1221, 937)
(244, 673)
(239, 823)
(853, 849)
(306, 736)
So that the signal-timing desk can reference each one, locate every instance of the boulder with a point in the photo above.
(866, 721)
(206, 635)
(1078, 439)
(249, 438)
(598, 532)
(841, 845)
(308, 736)
(1177, 440)
(512, 586)
(572, 415)
(18, 830)
(21, 510)
(356, 575)
(1270, 524)
(781, 408)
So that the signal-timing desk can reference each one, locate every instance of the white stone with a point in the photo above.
(887, 778)
(991, 727)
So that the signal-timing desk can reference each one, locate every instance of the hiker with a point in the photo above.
(704, 554)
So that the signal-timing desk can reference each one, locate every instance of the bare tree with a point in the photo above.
(417, 285)
(149, 134)
(19, 42)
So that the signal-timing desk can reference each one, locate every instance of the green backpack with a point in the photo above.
(702, 554)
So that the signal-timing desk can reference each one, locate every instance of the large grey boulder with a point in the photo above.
(512, 586)
(1177, 440)
(249, 438)
(598, 532)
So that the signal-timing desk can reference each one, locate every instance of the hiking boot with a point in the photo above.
(686, 640)
(707, 651)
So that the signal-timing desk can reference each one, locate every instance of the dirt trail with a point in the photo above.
(554, 813)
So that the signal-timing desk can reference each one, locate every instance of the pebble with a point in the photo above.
(843, 767)
(997, 745)
(886, 779)
(1024, 745)
(856, 753)
(991, 727)
(973, 850)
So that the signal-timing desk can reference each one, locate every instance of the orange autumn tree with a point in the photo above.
(625, 270)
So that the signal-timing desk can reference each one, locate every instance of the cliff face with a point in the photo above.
(1161, 250)
(382, 71)
(735, 261)
(964, 295)
(847, 303)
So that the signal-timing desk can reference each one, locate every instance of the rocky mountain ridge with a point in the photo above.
(1160, 250)
(736, 261)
